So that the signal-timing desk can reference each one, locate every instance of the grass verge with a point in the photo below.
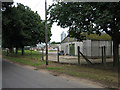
(30, 58)
(106, 75)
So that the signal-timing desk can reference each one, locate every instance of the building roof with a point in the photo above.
(102, 37)
(97, 37)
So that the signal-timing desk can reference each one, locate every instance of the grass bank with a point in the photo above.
(33, 58)
(106, 75)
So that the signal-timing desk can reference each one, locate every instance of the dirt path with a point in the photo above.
(74, 59)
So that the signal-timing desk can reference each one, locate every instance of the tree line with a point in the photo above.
(21, 27)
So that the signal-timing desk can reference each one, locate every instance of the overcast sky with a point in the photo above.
(39, 6)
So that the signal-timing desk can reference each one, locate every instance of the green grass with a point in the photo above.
(52, 50)
(91, 72)
(30, 58)
(105, 76)
(54, 68)
(25, 61)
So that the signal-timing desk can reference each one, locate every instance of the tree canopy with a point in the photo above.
(22, 26)
(55, 42)
(89, 17)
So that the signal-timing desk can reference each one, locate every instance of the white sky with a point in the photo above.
(39, 6)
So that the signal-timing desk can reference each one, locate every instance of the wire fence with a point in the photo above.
(93, 54)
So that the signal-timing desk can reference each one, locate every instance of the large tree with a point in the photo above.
(91, 18)
(22, 27)
(9, 23)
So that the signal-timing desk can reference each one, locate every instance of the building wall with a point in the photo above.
(59, 47)
(63, 47)
(76, 47)
(89, 48)
(96, 48)
(92, 48)
(66, 46)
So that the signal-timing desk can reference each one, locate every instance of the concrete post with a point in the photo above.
(104, 55)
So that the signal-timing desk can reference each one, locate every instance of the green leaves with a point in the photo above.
(86, 17)
(22, 26)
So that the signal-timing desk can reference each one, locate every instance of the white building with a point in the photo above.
(89, 47)
(53, 46)
(63, 35)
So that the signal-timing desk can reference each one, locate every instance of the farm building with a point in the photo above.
(91, 47)
(53, 47)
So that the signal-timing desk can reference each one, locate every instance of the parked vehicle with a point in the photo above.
(61, 53)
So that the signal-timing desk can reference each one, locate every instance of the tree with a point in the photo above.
(90, 18)
(55, 42)
(22, 27)
(9, 24)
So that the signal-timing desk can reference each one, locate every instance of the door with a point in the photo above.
(72, 49)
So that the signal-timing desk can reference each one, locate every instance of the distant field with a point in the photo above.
(52, 50)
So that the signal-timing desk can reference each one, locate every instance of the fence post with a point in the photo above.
(31, 52)
(104, 55)
(78, 55)
(7, 52)
(42, 54)
(58, 54)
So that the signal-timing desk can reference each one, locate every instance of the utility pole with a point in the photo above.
(46, 32)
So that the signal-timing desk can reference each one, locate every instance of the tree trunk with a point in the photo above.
(23, 50)
(115, 52)
(11, 50)
(16, 50)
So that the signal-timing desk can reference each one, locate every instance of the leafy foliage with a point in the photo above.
(22, 26)
(55, 42)
(86, 17)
